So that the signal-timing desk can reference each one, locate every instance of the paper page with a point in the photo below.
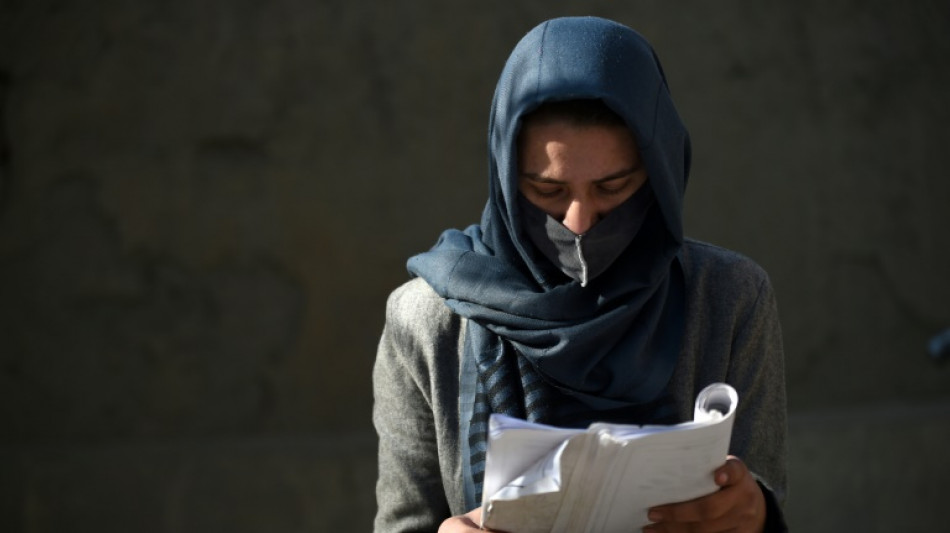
(534, 510)
(660, 467)
(578, 465)
(543, 476)
(610, 475)
(663, 468)
(514, 446)
(529, 514)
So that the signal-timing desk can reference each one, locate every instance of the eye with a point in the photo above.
(613, 187)
(548, 192)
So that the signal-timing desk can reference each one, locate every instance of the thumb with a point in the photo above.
(731, 472)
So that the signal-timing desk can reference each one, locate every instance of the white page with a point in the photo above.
(577, 467)
(525, 505)
(661, 465)
(663, 468)
(514, 446)
(612, 474)
(543, 476)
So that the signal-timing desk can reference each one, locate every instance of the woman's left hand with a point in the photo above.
(738, 506)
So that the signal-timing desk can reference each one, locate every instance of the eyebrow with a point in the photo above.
(537, 178)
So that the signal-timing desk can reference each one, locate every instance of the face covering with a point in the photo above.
(584, 257)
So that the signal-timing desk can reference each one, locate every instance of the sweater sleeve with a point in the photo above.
(756, 369)
(409, 488)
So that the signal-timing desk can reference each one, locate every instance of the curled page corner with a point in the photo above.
(544, 479)
(715, 402)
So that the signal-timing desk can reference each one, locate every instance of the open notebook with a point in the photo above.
(541, 479)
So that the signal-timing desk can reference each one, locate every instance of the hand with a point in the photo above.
(738, 506)
(464, 523)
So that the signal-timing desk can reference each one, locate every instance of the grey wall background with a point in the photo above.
(203, 206)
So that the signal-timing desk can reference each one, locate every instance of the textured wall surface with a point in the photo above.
(203, 206)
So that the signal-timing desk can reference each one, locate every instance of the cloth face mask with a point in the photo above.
(584, 257)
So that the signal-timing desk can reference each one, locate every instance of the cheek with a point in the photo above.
(612, 202)
(522, 187)
(552, 207)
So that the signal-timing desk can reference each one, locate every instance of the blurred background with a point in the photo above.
(203, 206)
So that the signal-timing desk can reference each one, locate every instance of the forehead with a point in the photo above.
(540, 143)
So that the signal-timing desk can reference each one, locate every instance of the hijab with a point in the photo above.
(540, 345)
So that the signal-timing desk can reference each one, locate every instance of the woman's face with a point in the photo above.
(578, 174)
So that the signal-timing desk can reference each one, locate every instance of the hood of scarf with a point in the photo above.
(614, 342)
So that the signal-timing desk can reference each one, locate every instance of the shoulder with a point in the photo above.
(421, 332)
(410, 296)
(713, 269)
(415, 307)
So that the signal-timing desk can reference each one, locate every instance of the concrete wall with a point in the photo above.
(204, 204)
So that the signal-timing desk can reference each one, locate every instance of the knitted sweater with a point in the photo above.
(732, 335)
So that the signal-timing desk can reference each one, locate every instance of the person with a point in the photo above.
(577, 298)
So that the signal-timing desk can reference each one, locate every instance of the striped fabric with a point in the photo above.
(507, 384)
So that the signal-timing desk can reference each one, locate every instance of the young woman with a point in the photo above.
(577, 298)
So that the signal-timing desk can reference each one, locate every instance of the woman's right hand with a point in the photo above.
(466, 523)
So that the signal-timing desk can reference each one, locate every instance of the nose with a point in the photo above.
(580, 216)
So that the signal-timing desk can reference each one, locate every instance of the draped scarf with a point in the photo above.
(537, 344)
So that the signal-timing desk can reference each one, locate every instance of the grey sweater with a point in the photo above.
(732, 335)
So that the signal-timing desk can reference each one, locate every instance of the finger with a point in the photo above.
(726, 524)
(740, 506)
(668, 527)
(705, 508)
(731, 473)
(467, 523)
(475, 515)
(458, 524)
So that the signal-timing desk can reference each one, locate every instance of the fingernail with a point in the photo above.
(722, 478)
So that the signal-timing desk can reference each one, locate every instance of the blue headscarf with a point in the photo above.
(539, 340)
